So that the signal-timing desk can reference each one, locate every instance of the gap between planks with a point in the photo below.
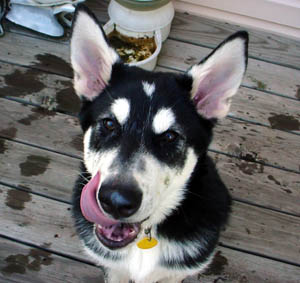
(292, 96)
(286, 116)
(270, 188)
(182, 55)
(23, 262)
(229, 264)
(232, 137)
(263, 45)
(27, 224)
(241, 158)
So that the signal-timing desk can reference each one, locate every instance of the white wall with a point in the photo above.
(278, 16)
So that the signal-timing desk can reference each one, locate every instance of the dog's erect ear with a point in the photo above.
(217, 78)
(91, 56)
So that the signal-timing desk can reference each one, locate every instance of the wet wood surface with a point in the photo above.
(20, 262)
(282, 80)
(256, 150)
(26, 216)
(248, 180)
(56, 92)
(265, 142)
(207, 32)
(34, 52)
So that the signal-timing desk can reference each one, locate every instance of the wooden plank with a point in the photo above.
(56, 92)
(247, 180)
(233, 266)
(34, 86)
(20, 263)
(37, 53)
(262, 110)
(267, 232)
(266, 109)
(38, 170)
(259, 143)
(16, 265)
(54, 57)
(260, 75)
(208, 32)
(41, 127)
(262, 185)
(263, 45)
(39, 220)
(251, 138)
(10, 27)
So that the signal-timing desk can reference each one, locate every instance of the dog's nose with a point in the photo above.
(120, 201)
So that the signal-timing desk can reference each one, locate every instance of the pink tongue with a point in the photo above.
(89, 206)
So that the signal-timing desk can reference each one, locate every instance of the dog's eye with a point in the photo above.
(169, 136)
(109, 124)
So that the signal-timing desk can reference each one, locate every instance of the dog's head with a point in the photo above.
(144, 132)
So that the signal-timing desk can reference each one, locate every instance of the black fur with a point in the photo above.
(174, 91)
(206, 206)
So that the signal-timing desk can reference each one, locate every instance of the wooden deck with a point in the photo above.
(257, 150)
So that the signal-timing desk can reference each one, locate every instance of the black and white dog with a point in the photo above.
(149, 204)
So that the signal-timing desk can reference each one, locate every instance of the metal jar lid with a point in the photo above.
(143, 5)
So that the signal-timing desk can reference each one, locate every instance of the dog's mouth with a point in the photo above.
(111, 233)
(118, 235)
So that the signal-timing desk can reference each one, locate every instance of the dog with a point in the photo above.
(149, 204)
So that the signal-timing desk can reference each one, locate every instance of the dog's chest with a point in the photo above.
(142, 262)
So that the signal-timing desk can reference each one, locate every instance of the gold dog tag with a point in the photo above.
(147, 242)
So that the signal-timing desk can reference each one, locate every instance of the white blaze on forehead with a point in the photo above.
(148, 88)
(163, 120)
(121, 109)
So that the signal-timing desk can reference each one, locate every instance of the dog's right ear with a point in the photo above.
(91, 56)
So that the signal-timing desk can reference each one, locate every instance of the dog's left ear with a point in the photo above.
(217, 78)
(91, 56)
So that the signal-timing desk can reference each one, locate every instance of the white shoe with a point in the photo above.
(40, 15)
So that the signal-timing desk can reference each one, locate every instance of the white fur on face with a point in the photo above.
(121, 109)
(96, 160)
(148, 88)
(163, 190)
(163, 187)
(163, 120)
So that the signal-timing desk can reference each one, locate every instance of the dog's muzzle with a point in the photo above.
(118, 201)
